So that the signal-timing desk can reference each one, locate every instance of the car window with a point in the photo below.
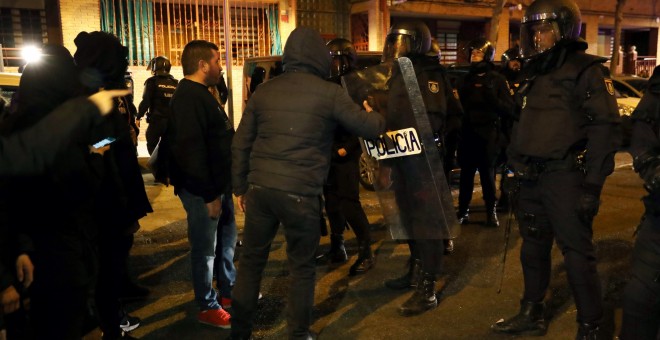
(639, 84)
(623, 91)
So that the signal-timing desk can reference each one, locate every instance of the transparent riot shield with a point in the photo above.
(409, 178)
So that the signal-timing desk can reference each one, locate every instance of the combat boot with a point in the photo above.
(337, 252)
(463, 216)
(365, 260)
(529, 321)
(409, 279)
(587, 331)
(491, 216)
(423, 298)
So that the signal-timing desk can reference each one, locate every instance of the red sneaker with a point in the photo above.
(215, 317)
(225, 302)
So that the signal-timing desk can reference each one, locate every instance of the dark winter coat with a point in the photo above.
(285, 136)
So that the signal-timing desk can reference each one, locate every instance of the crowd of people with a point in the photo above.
(547, 116)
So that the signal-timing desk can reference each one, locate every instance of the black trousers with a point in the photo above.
(155, 130)
(429, 252)
(547, 212)
(641, 300)
(58, 310)
(342, 201)
(476, 153)
(266, 209)
(114, 249)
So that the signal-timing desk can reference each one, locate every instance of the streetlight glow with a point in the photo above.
(31, 54)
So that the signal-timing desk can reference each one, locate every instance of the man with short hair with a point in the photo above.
(199, 135)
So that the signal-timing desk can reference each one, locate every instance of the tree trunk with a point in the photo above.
(495, 21)
(618, 19)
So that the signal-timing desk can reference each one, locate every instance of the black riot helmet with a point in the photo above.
(547, 23)
(405, 39)
(483, 45)
(344, 57)
(160, 66)
(511, 54)
(435, 51)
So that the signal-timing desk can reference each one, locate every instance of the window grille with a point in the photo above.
(329, 17)
(449, 47)
(20, 27)
(174, 23)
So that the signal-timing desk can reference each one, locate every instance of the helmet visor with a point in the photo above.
(396, 46)
(537, 37)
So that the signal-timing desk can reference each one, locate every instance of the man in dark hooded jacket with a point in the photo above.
(122, 199)
(280, 159)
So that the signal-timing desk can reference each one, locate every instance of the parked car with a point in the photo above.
(627, 98)
(8, 86)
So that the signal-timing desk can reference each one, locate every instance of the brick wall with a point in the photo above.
(77, 16)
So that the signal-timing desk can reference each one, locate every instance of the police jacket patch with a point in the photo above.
(609, 86)
(434, 86)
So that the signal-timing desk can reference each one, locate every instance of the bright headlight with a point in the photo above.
(30, 54)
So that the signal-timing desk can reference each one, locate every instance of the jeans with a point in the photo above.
(202, 237)
(224, 269)
(299, 216)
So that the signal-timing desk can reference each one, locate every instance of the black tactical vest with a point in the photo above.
(551, 120)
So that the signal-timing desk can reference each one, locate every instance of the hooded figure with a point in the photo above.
(122, 199)
(280, 159)
(64, 230)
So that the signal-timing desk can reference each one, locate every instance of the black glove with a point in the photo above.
(589, 203)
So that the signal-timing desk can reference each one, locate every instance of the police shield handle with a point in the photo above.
(104, 99)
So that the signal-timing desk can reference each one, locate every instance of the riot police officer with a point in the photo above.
(562, 150)
(155, 103)
(486, 98)
(641, 308)
(342, 191)
(511, 66)
(399, 179)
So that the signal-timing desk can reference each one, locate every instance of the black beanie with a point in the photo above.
(102, 60)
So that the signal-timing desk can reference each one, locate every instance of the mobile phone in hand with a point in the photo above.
(104, 142)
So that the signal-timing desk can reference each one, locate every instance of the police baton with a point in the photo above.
(512, 192)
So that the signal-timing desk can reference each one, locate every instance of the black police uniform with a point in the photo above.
(156, 97)
(641, 303)
(562, 149)
(441, 103)
(486, 98)
(342, 193)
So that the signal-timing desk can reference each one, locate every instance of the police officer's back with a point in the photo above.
(641, 311)
(158, 91)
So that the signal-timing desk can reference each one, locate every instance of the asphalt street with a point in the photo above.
(361, 307)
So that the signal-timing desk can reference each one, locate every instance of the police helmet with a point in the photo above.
(511, 54)
(405, 39)
(344, 57)
(435, 50)
(546, 23)
(160, 66)
(483, 45)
